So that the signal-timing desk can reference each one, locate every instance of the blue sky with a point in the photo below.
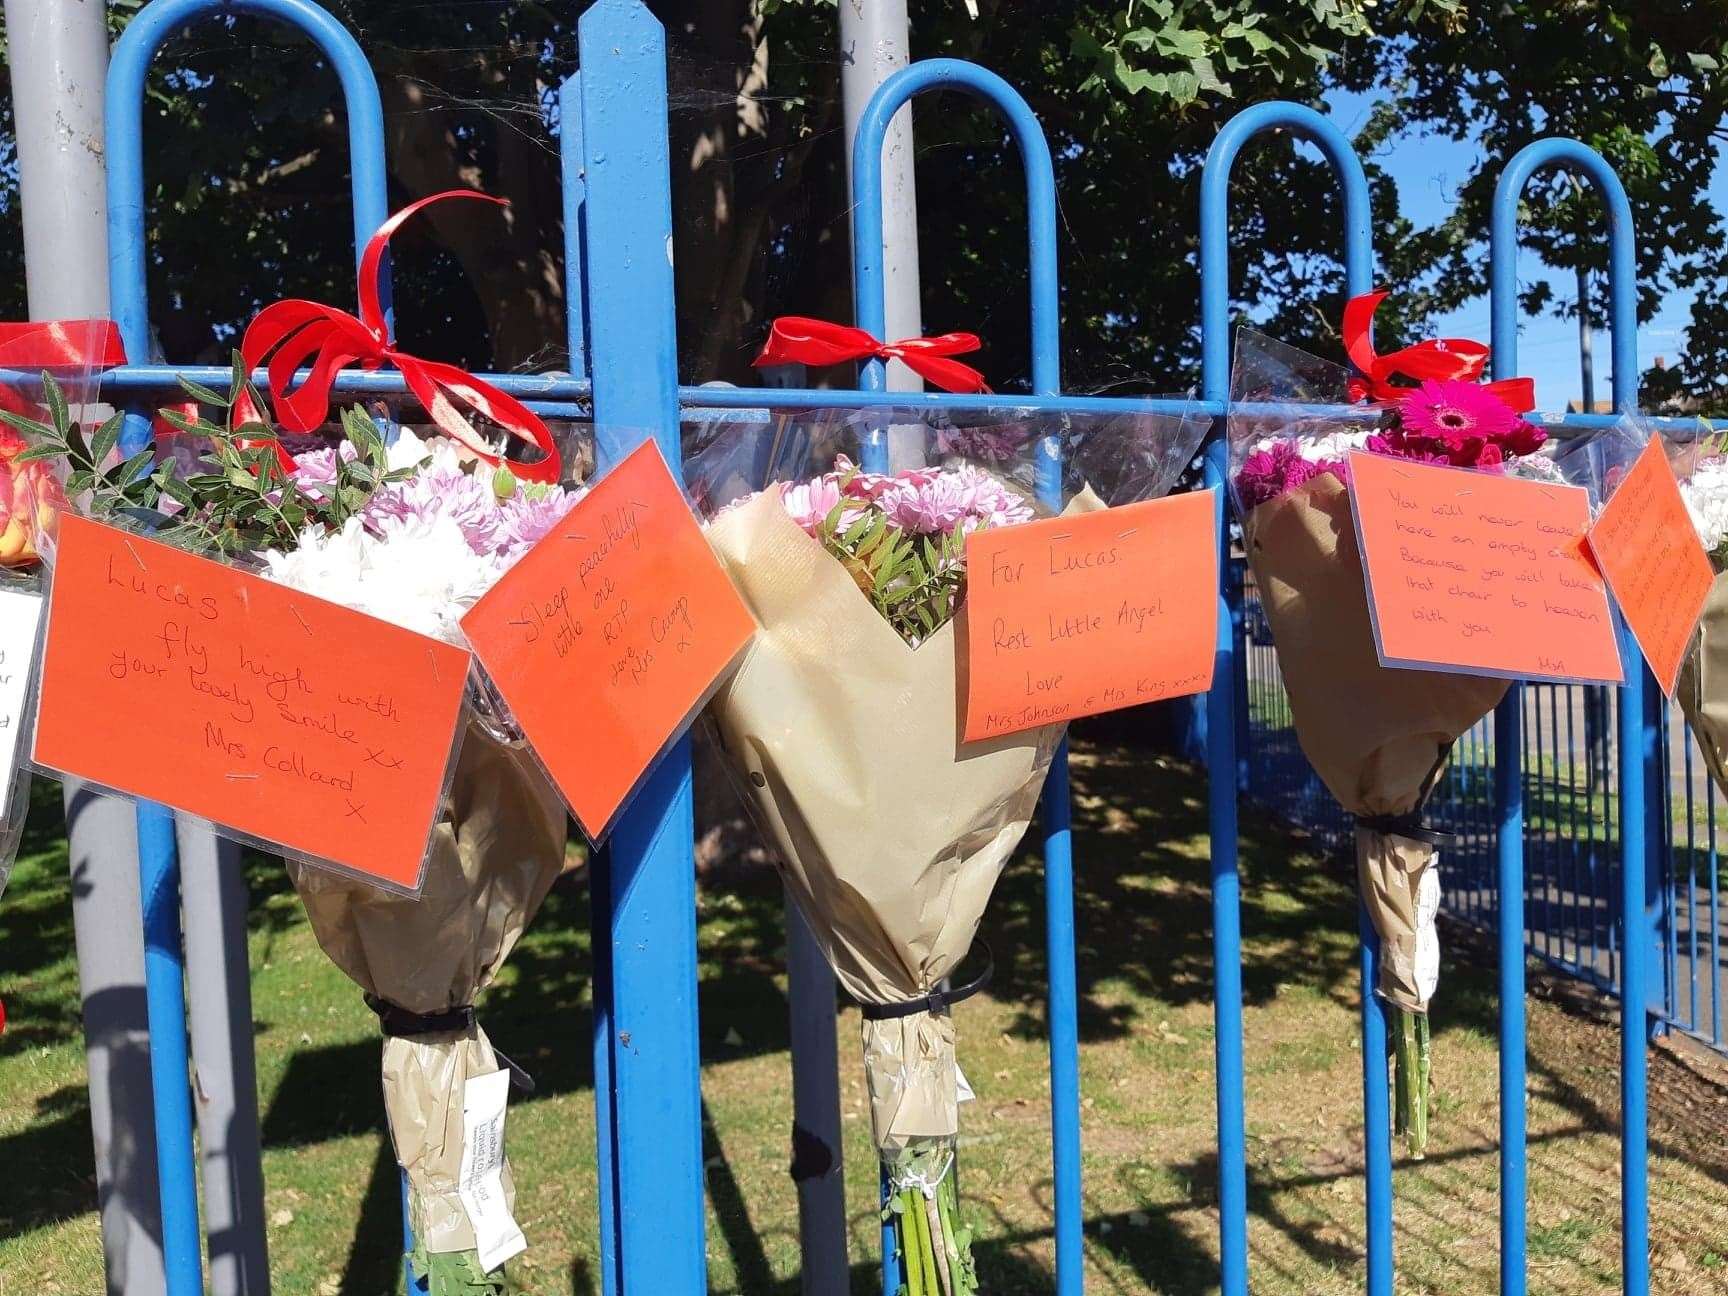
(1427, 170)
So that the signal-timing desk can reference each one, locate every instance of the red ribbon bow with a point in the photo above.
(293, 331)
(67, 345)
(1436, 359)
(795, 339)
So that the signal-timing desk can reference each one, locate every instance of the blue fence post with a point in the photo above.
(1637, 753)
(158, 857)
(644, 885)
(890, 97)
(1221, 722)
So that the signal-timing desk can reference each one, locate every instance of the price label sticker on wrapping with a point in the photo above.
(222, 694)
(1482, 573)
(1090, 612)
(609, 635)
(1646, 546)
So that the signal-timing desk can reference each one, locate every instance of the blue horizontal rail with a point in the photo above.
(576, 395)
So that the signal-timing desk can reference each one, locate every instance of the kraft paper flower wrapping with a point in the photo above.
(1702, 690)
(1378, 738)
(497, 847)
(890, 831)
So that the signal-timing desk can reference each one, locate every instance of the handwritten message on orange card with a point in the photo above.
(219, 693)
(1646, 546)
(606, 638)
(1473, 571)
(1073, 616)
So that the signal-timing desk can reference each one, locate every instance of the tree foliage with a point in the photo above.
(248, 172)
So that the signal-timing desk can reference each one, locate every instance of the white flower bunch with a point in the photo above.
(1706, 494)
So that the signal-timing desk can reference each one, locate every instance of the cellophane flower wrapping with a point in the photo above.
(844, 737)
(1377, 737)
(1699, 458)
(32, 495)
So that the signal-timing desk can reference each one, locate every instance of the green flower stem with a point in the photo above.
(906, 1229)
(926, 1250)
(1412, 1064)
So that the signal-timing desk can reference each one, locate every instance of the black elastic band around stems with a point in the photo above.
(936, 1000)
(1410, 824)
(399, 1022)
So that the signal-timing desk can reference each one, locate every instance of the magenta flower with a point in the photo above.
(1455, 413)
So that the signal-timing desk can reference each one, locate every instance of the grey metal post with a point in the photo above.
(874, 44)
(58, 53)
(219, 1007)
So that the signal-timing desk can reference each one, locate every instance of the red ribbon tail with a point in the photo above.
(949, 375)
(1518, 393)
(1358, 326)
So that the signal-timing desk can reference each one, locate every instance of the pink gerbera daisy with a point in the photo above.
(1454, 413)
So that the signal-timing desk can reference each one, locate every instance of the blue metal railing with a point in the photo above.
(623, 374)
(871, 309)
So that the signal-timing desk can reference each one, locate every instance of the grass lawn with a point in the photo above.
(1146, 1031)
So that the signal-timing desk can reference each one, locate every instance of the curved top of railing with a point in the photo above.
(892, 95)
(124, 128)
(1324, 134)
(1503, 257)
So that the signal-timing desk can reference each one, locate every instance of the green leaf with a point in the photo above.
(36, 452)
(58, 414)
(135, 467)
(29, 426)
(107, 437)
(204, 395)
(174, 488)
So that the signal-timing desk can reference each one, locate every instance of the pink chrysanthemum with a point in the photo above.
(527, 518)
(1455, 413)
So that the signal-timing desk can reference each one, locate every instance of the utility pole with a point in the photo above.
(58, 55)
(874, 43)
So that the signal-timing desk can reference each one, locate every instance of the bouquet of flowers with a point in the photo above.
(411, 530)
(843, 725)
(1377, 737)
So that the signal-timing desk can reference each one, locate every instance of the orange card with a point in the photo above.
(1473, 571)
(219, 693)
(1646, 546)
(1072, 616)
(607, 637)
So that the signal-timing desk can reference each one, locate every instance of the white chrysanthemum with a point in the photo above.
(417, 573)
(1706, 496)
(1336, 444)
(410, 451)
(330, 565)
